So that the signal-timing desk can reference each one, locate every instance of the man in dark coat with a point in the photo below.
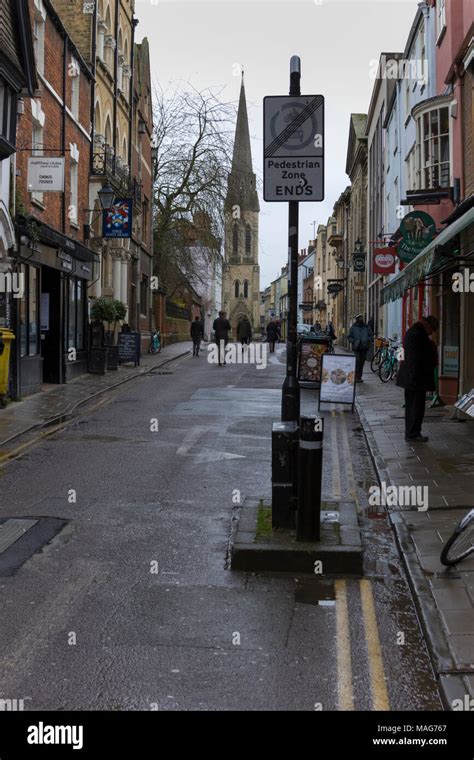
(197, 334)
(244, 331)
(272, 335)
(221, 329)
(417, 374)
(359, 337)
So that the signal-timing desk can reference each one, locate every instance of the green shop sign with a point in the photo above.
(417, 229)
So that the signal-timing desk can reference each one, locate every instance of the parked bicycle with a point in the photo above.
(389, 363)
(155, 343)
(461, 543)
(380, 345)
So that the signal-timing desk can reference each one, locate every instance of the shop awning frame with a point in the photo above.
(429, 262)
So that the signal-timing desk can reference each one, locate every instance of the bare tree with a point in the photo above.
(193, 134)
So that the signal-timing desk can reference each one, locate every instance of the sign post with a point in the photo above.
(293, 172)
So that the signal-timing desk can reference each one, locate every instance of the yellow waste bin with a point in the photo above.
(6, 337)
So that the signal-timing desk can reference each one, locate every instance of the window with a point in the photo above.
(29, 312)
(80, 304)
(434, 169)
(73, 216)
(7, 120)
(235, 240)
(75, 74)
(71, 342)
(37, 150)
(407, 98)
(246, 289)
(38, 38)
(440, 17)
(236, 289)
(248, 240)
(411, 170)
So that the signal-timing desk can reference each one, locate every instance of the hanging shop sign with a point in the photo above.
(384, 260)
(417, 229)
(358, 262)
(334, 288)
(337, 379)
(45, 175)
(117, 220)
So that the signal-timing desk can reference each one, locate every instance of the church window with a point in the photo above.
(246, 289)
(235, 239)
(248, 240)
(237, 288)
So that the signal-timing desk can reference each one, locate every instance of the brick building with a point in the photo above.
(57, 266)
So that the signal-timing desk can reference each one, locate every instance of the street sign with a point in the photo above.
(293, 148)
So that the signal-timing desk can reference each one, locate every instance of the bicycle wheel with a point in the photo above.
(394, 370)
(153, 348)
(461, 543)
(376, 359)
(385, 370)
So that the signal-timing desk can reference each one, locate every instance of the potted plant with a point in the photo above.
(102, 310)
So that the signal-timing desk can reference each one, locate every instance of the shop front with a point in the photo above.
(427, 286)
(52, 316)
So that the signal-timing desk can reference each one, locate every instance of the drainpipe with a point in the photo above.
(93, 83)
(115, 78)
(63, 132)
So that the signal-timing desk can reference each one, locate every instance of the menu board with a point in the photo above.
(338, 379)
(129, 347)
(309, 365)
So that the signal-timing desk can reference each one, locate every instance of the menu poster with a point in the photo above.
(466, 403)
(310, 361)
(338, 379)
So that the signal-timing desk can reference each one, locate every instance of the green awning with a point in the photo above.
(428, 263)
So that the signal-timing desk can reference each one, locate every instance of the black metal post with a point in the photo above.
(290, 404)
(310, 469)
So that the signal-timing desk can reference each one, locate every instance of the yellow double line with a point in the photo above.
(378, 686)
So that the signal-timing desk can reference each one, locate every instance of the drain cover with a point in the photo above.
(12, 530)
(21, 537)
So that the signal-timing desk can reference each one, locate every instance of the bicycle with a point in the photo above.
(155, 343)
(461, 543)
(388, 368)
(381, 345)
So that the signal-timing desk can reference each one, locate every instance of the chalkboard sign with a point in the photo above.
(129, 347)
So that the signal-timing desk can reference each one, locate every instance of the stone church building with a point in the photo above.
(241, 276)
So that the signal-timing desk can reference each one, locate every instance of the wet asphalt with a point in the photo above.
(133, 606)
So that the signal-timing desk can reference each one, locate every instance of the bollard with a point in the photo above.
(284, 458)
(309, 481)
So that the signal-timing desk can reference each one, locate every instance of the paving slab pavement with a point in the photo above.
(444, 597)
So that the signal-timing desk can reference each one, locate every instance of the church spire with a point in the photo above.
(242, 157)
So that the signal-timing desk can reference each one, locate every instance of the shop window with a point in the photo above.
(450, 321)
(72, 322)
(434, 168)
(29, 312)
(80, 303)
(74, 335)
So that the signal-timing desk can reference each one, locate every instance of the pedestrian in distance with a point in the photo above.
(197, 333)
(359, 337)
(244, 332)
(272, 335)
(221, 329)
(417, 374)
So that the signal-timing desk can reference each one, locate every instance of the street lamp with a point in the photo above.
(106, 197)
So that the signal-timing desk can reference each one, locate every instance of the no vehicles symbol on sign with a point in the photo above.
(293, 148)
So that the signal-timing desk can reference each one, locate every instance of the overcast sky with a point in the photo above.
(335, 39)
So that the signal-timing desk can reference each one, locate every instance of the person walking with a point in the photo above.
(272, 335)
(359, 337)
(416, 374)
(244, 332)
(221, 329)
(197, 333)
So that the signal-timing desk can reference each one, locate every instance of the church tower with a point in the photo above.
(241, 277)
